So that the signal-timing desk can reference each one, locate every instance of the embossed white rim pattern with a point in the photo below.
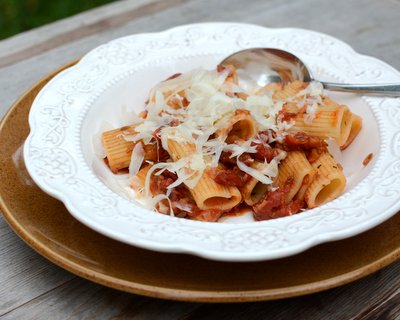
(57, 157)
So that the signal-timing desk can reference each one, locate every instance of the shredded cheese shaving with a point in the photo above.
(193, 108)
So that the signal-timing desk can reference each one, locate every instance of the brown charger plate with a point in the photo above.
(45, 224)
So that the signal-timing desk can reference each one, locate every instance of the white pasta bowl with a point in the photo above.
(63, 152)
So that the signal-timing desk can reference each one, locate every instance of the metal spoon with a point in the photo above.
(265, 65)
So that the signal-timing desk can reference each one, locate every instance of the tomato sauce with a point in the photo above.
(274, 206)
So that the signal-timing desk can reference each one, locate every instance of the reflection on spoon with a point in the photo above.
(265, 65)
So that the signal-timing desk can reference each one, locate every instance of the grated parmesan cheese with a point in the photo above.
(209, 106)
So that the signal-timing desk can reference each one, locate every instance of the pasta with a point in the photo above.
(206, 193)
(254, 190)
(355, 127)
(295, 166)
(328, 183)
(118, 150)
(204, 147)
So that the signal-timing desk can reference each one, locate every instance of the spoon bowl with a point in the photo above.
(266, 65)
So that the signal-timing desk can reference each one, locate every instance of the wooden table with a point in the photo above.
(33, 288)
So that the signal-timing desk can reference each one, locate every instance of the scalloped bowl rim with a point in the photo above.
(196, 248)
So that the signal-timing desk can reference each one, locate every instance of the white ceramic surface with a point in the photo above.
(63, 152)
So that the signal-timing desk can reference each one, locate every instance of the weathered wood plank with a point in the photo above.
(368, 26)
(31, 287)
(383, 44)
(95, 21)
(387, 307)
(347, 302)
(85, 300)
(23, 273)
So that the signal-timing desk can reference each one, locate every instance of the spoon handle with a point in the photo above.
(389, 89)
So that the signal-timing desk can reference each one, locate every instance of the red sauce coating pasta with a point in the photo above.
(230, 177)
(226, 144)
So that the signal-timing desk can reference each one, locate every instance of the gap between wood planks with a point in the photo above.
(386, 308)
(37, 297)
(80, 31)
